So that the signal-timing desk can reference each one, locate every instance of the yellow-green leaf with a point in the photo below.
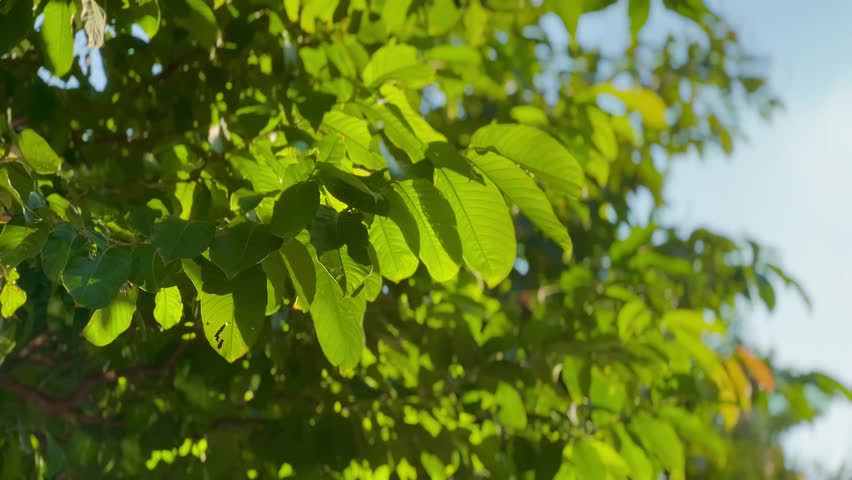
(57, 32)
(111, 321)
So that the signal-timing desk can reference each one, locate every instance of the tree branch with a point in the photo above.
(66, 407)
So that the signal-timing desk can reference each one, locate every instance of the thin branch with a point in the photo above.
(67, 406)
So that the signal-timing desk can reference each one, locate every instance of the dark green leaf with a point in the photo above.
(95, 282)
(294, 210)
(177, 238)
(242, 246)
(232, 311)
(19, 243)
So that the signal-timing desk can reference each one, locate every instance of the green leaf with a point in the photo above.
(338, 320)
(112, 320)
(640, 466)
(646, 102)
(19, 242)
(632, 319)
(57, 250)
(586, 460)
(534, 150)
(294, 210)
(522, 190)
(397, 63)
(242, 246)
(316, 9)
(12, 297)
(94, 283)
(442, 17)
(484, 224)
(15, 22)
(660, 439)
(415, 121)
(38, 154)
(350, 189)
(613, 463)
(639, 10)
(394, 14)
(58, 35)
(15, 180)
(512, 413)
(201, 22)
(148, 17)
(529, 115)
(458, 56)
(232, 311)
(439, 245)
(300, 265)
(177, 238)
(149, 270)
(355, 135)
(168, 307)
(395, 238)
(262, 177)
(569, 11)
(398, 132)
(276, 276)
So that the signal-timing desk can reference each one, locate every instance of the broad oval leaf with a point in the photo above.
(522, 190)
(660, 439)
(439, 245)
(168, 307)
(177, 238)
(242, 246)
(300, 265)
(112, 320)
(20, 242)
(38, 154)
(646, 102)
(232, 311)
(338, 320)
(12, 297)
(57, 250)
(94, 283)
(350, 189)
(398, 63)
(534, 150)
(395, 239)
(294, 210)
(512, 412)
(57, 32)
(356, 137)
(149, 270)
(484, 224)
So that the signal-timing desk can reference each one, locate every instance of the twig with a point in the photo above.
(66, 407)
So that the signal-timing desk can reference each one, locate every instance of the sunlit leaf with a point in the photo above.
(486, 233)
(112, 320)
(168, 307)
(439, 246)
(534, 150)
(37, 153)
(58, 35)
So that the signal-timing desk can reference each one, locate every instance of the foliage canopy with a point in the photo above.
(372, 239)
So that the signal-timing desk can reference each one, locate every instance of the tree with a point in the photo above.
(372, 239)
